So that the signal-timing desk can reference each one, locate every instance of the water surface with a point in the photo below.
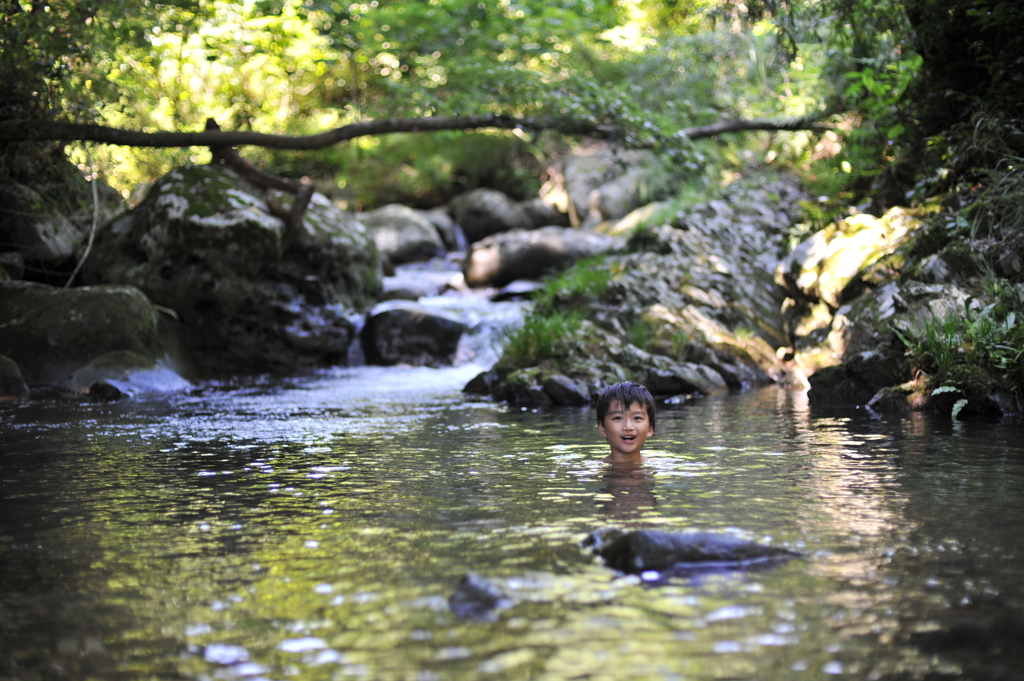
(314, 528)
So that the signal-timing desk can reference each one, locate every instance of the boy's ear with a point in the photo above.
(600, 428)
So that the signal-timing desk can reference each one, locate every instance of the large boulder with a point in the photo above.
(607, 184)
(403, 234)
(636, 187)
(41, 235)
(12, 382)
(839, 263)
(544, 213)
(519, 254)
(855, 382)
(54, 333)
(46, 227)
(483, 212)
(407, 334)
(213, 250)
(451, 234)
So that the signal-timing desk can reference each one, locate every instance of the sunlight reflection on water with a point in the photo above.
(315, 528)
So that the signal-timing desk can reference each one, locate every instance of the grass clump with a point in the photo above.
(643, 334)
(974, 352)
(541, 338)
(559, 310)
(577, 288)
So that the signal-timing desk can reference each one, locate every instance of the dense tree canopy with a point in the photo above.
(898, 78)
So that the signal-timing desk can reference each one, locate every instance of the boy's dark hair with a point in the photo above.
(628, 393)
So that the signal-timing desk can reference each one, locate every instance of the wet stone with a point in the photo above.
(407, 335)
(566, 391)
(477, 598)
(644, 550)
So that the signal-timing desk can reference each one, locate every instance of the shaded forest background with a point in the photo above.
(924, 96)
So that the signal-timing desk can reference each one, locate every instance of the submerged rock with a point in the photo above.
(642, 550)
(126, 373)
(476, 598)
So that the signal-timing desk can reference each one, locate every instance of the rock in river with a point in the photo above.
(407, 334)
(12, 383)
(483, 212)
(252, 296)
(54, 334)
(521, 254)
(476, 598)
(642, 550)
(403, 234)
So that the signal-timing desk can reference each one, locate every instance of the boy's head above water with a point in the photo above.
(625, 417)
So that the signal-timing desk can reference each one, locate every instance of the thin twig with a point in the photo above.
(95, 218)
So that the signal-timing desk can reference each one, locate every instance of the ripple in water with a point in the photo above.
(315, 528)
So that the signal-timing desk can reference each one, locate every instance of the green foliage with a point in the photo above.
(418, 170)
(643, 334)
(302, 66)
(558, 311)
(998, 211)
(976, 350)
(938, 349)
(542, 337)
(581, 285)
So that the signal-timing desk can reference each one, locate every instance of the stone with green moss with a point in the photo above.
(53, 332)
(251, 297)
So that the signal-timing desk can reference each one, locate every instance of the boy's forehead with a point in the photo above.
(617, 405)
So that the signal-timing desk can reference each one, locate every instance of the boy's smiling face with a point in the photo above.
(626, 429)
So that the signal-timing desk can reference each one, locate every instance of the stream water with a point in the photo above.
(314, 528)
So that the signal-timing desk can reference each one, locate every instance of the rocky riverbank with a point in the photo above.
(204, 279)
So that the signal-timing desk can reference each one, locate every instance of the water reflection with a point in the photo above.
(627, 492)
(315, 528)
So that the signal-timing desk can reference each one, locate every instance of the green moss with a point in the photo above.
(583, 284)
(542, 337)
(643, 334)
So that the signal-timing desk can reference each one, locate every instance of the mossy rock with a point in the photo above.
(523, 388)
(212, 214)
(53, 332)
(12, 383)
(214, 250)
